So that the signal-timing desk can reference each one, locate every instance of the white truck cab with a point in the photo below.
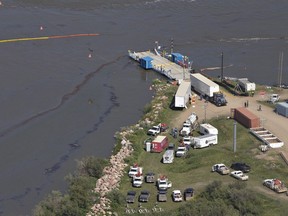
(274, 98)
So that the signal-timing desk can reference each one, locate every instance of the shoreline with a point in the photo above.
(112, 173)
(126, 146)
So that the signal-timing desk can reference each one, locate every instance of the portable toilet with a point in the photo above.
(146, 62)
(148, 146)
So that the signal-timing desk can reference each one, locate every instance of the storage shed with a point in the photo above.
(246, 118)
(159, 144)
(282, 108)
(146, 62)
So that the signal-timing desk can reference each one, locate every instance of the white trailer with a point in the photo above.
(183, 93)
(205, 141)
(168, 156)
(207, 129)
(246, 85)
(203, 85)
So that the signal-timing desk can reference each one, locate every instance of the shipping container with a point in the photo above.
(146, 62)
(282, 108)
(159, 144)
(177, 57)
(182, 95)
(246, 118)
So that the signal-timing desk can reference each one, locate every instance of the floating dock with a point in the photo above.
(162, 65)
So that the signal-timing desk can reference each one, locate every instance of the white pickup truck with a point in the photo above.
(163, 183)
(137, 180)
(275, 185)
(181, 151)
(177, 196)
(238, 174)
(186, 129)
(134, 170)
(221, 169)
(157, 129)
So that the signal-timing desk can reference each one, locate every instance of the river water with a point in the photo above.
(63, 99)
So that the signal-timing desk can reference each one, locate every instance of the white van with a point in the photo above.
(208, 129)
(168, 156)
(205, 141)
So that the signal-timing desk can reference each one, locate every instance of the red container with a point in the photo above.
(246, 118)
(159, 144)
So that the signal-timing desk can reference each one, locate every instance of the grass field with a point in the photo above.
(194, 170)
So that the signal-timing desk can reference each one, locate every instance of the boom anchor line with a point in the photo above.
(48, 37)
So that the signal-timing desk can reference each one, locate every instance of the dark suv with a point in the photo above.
(241, 166)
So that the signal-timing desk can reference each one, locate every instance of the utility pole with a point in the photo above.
(171, 45)
(280, 68)
(234, 140)
(222, 66)
(205, 111)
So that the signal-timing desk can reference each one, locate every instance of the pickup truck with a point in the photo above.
(135, 169)
(221, 169)
(181, 151)
(188, 194)
(177, 196)
(275, 184)
(137, 180)
(130, 198)
(157, 129)
(187, 140)
(150, 177)
(186, 129)
(162, 196)
(238, 174)
(163, 183)
(144, 196)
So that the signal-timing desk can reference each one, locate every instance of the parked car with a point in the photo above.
(135, 169)
(187, 140)
(188, 193)
(155, 130)
(171, 146)
(241, 166)
(163, 183)
(177, 196)
(238, 174)
(221, 169)
(144, 196)
(150, 177)
(162, 196)
(137, 180)
(181, 151)
(130, 198)
(276, 185)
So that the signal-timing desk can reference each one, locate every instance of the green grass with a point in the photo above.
(195, 169)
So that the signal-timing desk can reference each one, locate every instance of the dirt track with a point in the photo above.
(275, 123)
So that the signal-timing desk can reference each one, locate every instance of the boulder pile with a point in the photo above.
(113, 173)
(111, 179)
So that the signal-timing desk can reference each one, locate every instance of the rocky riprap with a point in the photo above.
(113, 173)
